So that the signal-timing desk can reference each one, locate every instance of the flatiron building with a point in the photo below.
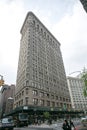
(41, 78)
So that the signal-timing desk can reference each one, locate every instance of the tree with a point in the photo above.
(46, 115)
(84, 77)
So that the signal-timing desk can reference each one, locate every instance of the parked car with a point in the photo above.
(84, 121)
(22, 120)
(6, 124)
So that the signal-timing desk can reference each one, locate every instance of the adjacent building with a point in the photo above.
(76, 86)
(9, 105)
(84, 3)
(7, 91)
(41, 78)
(0, 98)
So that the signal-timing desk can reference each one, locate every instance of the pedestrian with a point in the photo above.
(66, 125)
(71, 124)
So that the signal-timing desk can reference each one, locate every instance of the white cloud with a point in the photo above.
(71, 31)
(11, 18)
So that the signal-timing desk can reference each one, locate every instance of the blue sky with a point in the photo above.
(65, 19)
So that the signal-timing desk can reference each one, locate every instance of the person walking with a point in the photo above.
(71, 124)
(66, 125)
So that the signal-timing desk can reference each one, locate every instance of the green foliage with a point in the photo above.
(84, 77)
(85, 92)
(46, 115)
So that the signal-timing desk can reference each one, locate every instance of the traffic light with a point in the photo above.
(1, 82)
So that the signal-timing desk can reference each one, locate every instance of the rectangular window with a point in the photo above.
(41, 94)
(35, 101)
(42, 102)
(26, 90)
(22, 93)
(56, 97)
(53, 104)
(21, 102)
(52, 96)
(26, 100)
(57, 104)
(48, 103)
(35, 93)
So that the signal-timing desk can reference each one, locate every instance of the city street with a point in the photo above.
(55, 126)
(49, 128)
(81, 128)
(35, 128)
(42, 127)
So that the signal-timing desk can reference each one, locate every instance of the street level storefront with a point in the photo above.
(40, 114)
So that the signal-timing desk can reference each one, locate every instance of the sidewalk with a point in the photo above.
(80, 128)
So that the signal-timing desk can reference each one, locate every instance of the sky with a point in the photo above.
(65, 19)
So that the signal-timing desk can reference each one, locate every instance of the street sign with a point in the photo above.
(25, 108)
(1, 82)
